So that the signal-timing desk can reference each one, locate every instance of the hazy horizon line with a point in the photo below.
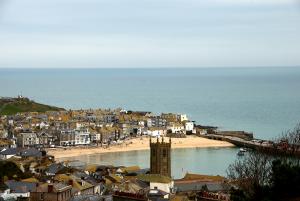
(164, 67)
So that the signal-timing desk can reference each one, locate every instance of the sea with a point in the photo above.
(262, 100)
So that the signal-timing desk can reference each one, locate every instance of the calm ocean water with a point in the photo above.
(211, 161)
(265, 101)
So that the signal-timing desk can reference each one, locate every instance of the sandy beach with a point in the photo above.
(137, 144)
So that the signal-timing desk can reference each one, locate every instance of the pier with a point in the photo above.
(271, 147)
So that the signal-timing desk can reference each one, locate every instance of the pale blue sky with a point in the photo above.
(149, 33)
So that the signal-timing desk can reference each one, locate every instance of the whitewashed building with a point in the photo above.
(182, 117)
(189, 127)
(95, 137)
(176, 128)
(82, 136)
(163, 186)
(156, 132)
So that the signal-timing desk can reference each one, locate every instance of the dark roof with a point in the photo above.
(80, 174)
(92, 198)
(31, 152)
(20, 186)
(196, 186)
(54, 168)
(142, 184)
(143, 171)
(11, 151)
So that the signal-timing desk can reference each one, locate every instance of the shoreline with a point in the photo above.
(137, 144)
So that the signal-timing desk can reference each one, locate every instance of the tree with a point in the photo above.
(251, 174)
(261, 175)
(10, 170)
(285, 180)
(291, 139)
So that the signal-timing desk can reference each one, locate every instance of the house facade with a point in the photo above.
(82, 136)
(51, 192)
(27, 139)
(175, 127)
(66, 137)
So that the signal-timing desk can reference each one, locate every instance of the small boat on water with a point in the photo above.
(242, 152)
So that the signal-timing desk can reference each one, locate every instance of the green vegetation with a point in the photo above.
(263, 177)
(10, 170)
(283, 185)
(16, 105)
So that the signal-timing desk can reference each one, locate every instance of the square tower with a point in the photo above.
(160, 157)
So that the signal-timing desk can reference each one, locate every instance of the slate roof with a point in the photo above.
(77, 182)
(141, 171)
(11, 151)
(196, 186)
(20, 186)
(54, 168)
(92, 198)
(32, 152)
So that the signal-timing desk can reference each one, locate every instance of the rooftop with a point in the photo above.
(157, 178)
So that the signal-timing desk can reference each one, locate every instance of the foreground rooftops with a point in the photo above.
(156, 178)
(198, 177)
(53, 187)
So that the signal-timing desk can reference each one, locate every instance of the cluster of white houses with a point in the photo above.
(66, 137)
(83, 127)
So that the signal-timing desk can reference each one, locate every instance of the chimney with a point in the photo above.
(71, 182)
(50, 188)
(44, 153)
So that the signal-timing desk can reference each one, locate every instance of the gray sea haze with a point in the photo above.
(265, 101)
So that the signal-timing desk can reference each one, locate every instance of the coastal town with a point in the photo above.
(31, 143)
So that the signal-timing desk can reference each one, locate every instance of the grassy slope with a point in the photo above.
(25, 106)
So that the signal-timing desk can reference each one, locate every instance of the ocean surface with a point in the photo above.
(265, 101)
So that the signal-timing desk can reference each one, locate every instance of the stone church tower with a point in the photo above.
(160, 157)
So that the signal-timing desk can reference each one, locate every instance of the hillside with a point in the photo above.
(10, 106)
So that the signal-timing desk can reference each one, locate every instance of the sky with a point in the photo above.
(149, 33)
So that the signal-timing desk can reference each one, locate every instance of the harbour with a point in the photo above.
(210, 161)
